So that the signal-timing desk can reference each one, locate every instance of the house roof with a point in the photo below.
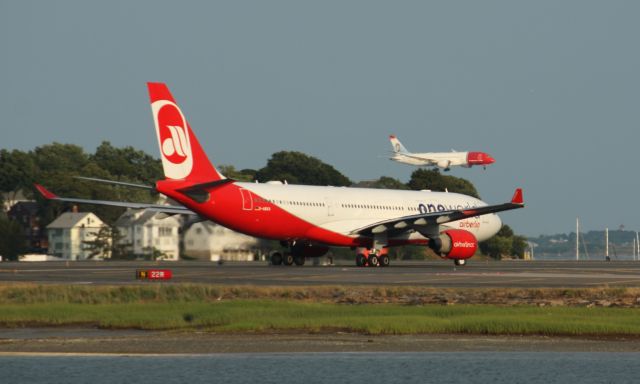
(136, 217)
(24, 207)
(72, 219)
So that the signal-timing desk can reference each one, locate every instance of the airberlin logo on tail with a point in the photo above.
(173, 139)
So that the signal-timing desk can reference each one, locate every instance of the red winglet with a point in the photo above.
(45, 192)
(517, 197)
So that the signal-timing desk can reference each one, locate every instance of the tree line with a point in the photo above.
(56, 166)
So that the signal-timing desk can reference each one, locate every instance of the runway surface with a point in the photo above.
(517, 274)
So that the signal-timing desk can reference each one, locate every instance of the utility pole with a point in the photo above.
(577, 238)
(637, 245)
(606, 244)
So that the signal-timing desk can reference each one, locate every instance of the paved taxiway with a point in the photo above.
(518, 274)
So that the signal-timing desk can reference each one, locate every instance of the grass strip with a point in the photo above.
(198, 293)
(285, 315)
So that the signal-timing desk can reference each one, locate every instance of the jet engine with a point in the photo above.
(455, 244)
(444, 164)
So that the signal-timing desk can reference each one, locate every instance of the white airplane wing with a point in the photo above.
(418, 157)
(405, 223)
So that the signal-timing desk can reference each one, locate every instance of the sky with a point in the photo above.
(549, 88)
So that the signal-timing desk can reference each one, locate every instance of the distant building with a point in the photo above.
(9, 199)
(208, 241)
(26, 213)
(68, 232)
(148, 231)
(29, 257)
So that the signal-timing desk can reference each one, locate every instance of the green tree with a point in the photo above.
(101, 243)
(58, 164)
(12, 240)
(519, 246)
(435, 181)
(242, 175)
(128, 163)
(155, 253)
(298, 168)
(57, 158)
(384, 182)
(17, 170)
(108, 243)
(504, 243)
(497, 247)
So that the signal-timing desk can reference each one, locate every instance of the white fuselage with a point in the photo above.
(438, 159)
(344, 210)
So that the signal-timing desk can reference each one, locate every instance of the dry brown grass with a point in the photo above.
(159, 293)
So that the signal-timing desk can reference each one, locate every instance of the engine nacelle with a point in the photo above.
(444, 164)
(455, 244)
(309, 250)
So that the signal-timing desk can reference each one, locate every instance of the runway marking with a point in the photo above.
(72, 270)
(523, 281)
(614, 283)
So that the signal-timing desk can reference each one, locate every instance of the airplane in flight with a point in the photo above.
(307, 219)
(443, 160)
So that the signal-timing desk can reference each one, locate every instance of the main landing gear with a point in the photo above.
(372, 257)
(459, 262)
(296, 252)
(286, 258)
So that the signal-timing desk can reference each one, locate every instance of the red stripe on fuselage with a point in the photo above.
(228, 206)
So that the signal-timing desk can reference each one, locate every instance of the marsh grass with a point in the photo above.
(394, 310)
(269, 316)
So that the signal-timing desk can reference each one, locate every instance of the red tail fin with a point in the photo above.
(181, 153)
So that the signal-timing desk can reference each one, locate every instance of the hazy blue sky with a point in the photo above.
(549, 88)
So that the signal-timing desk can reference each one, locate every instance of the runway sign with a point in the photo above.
(153, 274)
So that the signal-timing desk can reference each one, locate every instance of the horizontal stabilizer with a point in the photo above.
(170, 209)
(123, 183)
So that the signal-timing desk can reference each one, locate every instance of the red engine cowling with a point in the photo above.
(455, 244)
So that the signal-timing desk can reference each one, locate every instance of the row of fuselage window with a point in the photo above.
(378, 207)
(348, 206)
(287, 202)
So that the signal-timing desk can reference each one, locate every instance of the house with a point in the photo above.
(150, 233)
(26, 213)
(208, 241)
(9, 199)
(69, 232)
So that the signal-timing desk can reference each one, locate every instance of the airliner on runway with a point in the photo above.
(443, 160)
(308, 219)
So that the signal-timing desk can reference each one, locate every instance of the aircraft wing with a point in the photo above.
(417, 157)
(405, 223)
(169, 209)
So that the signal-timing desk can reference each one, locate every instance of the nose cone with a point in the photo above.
(488, 159)
(492, 227)
(480, 158)
(496, 224)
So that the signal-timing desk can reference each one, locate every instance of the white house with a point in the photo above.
(147, 231)
(209, 241)
(68, 232)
